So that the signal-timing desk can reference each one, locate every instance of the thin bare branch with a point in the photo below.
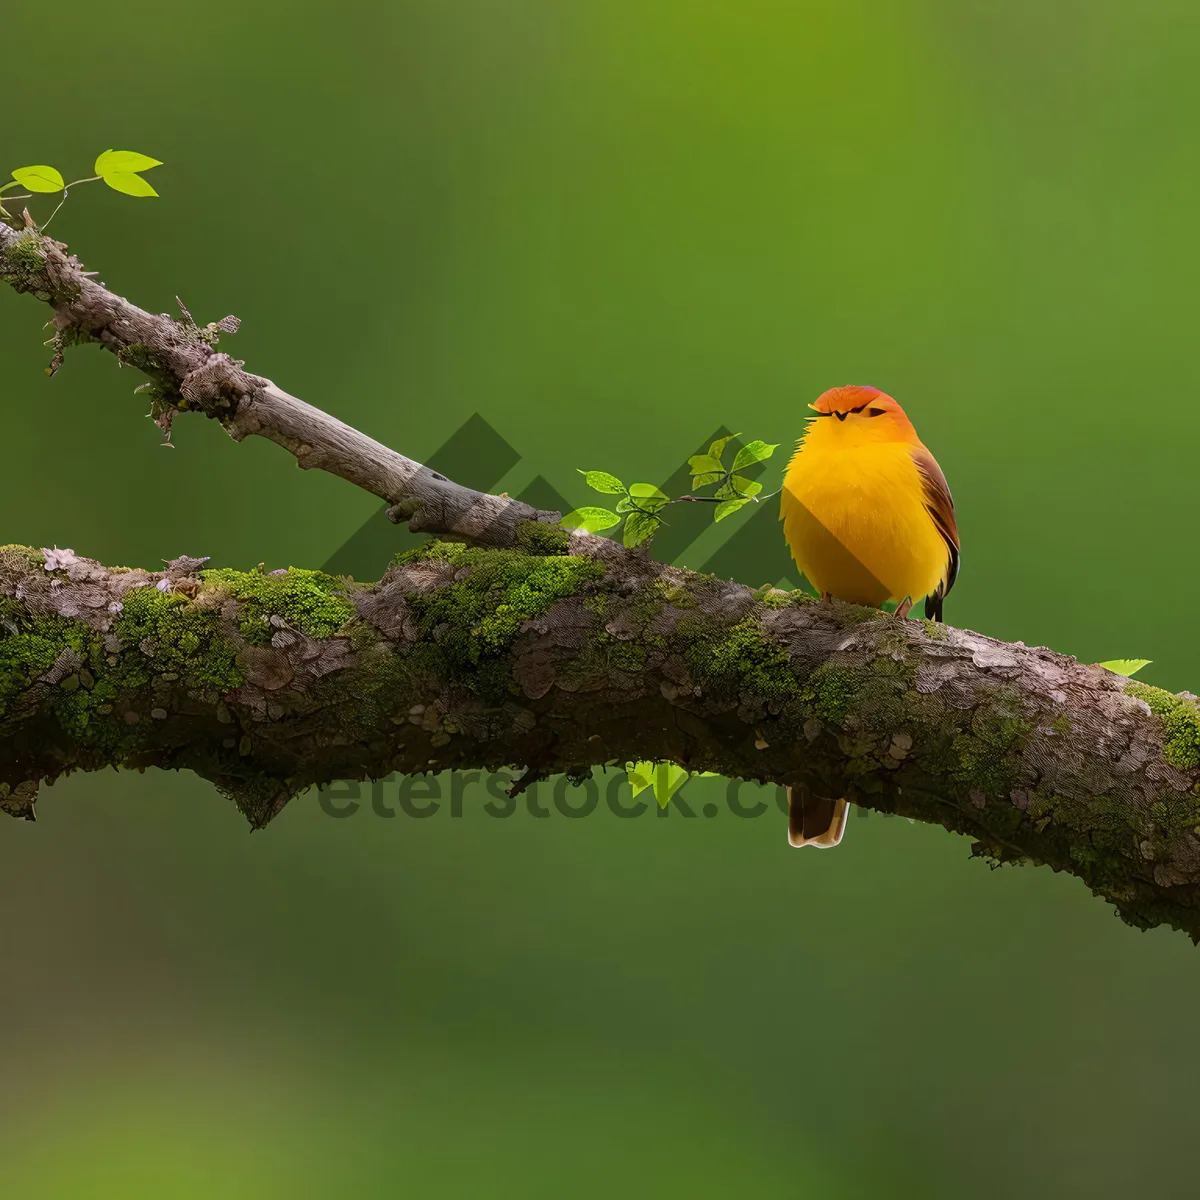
(188, 374)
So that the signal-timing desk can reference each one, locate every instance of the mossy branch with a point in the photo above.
(554, 652)
(472, 658)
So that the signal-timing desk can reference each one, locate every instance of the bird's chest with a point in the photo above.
(858, 526)
(867, 491)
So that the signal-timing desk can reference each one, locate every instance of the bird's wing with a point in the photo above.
(940, 506)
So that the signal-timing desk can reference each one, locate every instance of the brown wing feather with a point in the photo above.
(940, 506)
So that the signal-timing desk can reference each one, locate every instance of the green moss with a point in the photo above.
(602, 656)
(163, 636)
(628, 657)
(666, 592)
(858, 614)
(540, 537)
(832, 692)
(603, 653)
(467, 625)
(158, 641)
(180, 638)
(138, 356)
(403, 558)
(984, 753)
(1161, 702)
(1040, 804)
(645, 606)
(934, 629)
(530, 595)
(1180, 720)
(1083, 854)
(32, 650)
(308, 600)
(16, 555)
(22, 259)
(741, 660)
(160, 637)
(772, 597)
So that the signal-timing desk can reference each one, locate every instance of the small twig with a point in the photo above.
(529, 777)
(57, 207)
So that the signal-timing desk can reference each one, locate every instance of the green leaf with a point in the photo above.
(648, 496)
(668, 779)
(1126, 666)
(665, 778)
(590, 520)
(705, 468)
(602, 481)
(727, 507)
(753, 452)
(718, 447)
(639, 527)
(624, 505)
(39, 179)
(703, 464)
(123, 161)
(738, 485)
(640, 775)
(129, 183)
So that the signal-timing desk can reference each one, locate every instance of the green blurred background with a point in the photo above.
(610, 227)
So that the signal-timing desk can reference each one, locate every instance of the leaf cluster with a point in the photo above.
(664, 778)
(120, 169)
(732, 489)
(640, 505)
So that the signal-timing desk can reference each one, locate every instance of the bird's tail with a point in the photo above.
(815, 820)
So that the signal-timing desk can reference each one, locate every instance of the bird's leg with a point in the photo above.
(827, 597)
(904, 607)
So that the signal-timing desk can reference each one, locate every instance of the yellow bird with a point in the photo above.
(868, 518)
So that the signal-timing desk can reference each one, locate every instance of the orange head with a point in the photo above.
(866, 413)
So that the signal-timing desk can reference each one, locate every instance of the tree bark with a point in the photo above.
(556, 652)
(480, 658)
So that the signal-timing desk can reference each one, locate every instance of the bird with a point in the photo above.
(868, 517)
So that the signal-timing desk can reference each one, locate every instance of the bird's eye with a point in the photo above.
(876, 412)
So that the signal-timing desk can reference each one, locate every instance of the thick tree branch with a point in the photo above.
(472, 658)
(555, 653)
